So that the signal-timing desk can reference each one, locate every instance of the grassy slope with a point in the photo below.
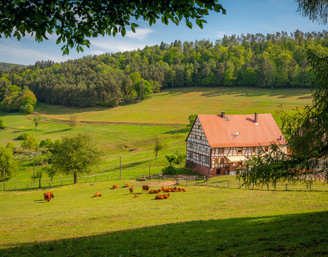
(175, 105)
(205, 221)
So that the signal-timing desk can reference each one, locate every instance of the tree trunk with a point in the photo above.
(34, 172)
(4, 179)
(75, 178)
(40, 183)
(156, 155)
(51, 179)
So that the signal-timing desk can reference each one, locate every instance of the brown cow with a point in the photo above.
(136, 196)
(97, 195)
(131, 190)
(162, 197)
(184, 190)
(163, 188)
(48, 196)
(168, 190)
(145, 188)
(127, 185)
(155, 191)
(115, 187)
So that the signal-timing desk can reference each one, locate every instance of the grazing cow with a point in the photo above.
(136, 196)
(48, 196)
(115, 187)
(97, 195)
(127, 185)
(131, 190)
(155, 191)
(184, 190)
(168, 190)
(163, 188)
(145, 188)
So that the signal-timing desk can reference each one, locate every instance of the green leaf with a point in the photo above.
(38, 18)
(134, 25)
(133, 29)
(218, 8)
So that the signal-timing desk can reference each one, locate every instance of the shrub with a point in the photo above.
(23, 136)
(190, 165)
(2, 124)
(170, 170)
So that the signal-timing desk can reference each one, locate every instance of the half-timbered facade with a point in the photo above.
(217, 144)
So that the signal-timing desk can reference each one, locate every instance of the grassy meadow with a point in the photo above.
(210, 220)
(175, 105)
(205, 221)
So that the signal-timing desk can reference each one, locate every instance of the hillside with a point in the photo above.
(4, 66)
(174, 106)
(271, 61)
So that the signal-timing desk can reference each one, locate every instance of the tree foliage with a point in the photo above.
(2, 123)
(191, 119)
(73, 121)
(7, 167)
(30, 143)
(76, 154)
(159, 146)
(37, 120)
(75, 21)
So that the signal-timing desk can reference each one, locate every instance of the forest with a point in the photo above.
(271, 61)
(4, 66)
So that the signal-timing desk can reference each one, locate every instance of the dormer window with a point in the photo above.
(239, 150)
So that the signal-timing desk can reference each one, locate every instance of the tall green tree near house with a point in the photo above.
(76, 154)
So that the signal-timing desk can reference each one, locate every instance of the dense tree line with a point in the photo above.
(274, 60)
(4, 66)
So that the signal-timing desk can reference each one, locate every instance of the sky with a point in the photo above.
(242, 16)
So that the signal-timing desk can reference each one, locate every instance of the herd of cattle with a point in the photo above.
(145, 188)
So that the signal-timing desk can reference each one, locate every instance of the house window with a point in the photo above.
(253, 149)
(221, 150)
(206, 150)
(266, 149)
(216, 161)
(199, 158)
(207, 160)
(200, 137)
(190, 155)
(191, 145)
(222, 161)
(239, 150)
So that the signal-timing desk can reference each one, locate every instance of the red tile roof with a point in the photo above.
(219, 131)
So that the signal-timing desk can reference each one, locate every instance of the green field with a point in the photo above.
(205, 221)
(208, 220)
(175, 105)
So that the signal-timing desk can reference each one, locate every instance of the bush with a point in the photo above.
(190, 165)
(170, 170)
(2, 124)
(23, 136)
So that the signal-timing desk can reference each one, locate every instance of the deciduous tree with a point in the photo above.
(76, 154)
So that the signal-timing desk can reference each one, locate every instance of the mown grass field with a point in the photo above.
(205, 221)
(175, 105)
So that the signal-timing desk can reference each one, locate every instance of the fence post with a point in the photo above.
(228, 184)
(286, 186)
(206, 182)
(310, 186)
(195, 182)
(217, 182)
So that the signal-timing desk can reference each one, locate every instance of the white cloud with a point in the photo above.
(12, 50)
(220, 33)
(113, 45)
(140, 33)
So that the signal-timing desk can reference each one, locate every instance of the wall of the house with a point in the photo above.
(198, 149)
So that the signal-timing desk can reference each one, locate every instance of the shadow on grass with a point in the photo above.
(183, 131)
(58, 131)
(303, 234)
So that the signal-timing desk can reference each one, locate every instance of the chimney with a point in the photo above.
(256, 120)
(223, 115)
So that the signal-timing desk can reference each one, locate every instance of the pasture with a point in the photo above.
(205, 221)
(173, 106)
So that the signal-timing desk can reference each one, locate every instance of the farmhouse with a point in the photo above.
(217, 144)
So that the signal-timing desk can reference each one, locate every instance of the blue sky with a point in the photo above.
(243, 16)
